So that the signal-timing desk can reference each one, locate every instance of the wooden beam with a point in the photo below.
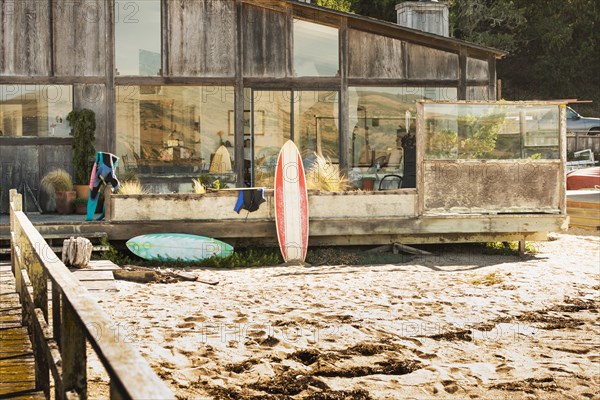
(174, 80)
(50, 80)
(344, 101)
(462, 64)
(492, 90)
(73, 351)
(110, 142)
(562, 148)
(239, 97)
(402, 248)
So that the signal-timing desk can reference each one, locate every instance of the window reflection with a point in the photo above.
(316, 49)
(481, 131)
(272, 127)
(383, 131)
(316, 129)
(177, 130)
(137, 37)
(35, 110)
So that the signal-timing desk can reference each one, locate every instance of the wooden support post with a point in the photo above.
(39, 280)
(17, 205)
(38, 342)
(56, 313)
(73, 351)
(522, 245)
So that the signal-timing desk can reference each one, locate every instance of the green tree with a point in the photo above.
(340, 5)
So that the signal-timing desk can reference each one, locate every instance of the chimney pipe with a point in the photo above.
(428, 16)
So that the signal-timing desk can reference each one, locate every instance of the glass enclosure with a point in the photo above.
(35, 110)
(137, 37)
(491, 131)
(383, 133)
(179, 131)
(316, 49)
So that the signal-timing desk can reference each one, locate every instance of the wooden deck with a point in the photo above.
(17, 367)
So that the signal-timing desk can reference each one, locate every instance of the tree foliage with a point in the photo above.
(553, 45)
(341, 5)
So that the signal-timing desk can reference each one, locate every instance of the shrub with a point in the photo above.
(57, 180)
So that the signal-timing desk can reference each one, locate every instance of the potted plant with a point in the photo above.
(83, 124)
(59, 182)
(80, 206)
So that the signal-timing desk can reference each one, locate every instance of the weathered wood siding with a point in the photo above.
(79, 37)
(264, 34)
(477, 69)
(582, 141)
(480, 93)
(93, 97)
(28, 163)
(202, 38)
(375, 56)
(428, 63)
(491, 186)
(24, 37)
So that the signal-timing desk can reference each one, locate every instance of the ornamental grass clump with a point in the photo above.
(325, 176)
(57, 180)
(198, 186)
(132, 187)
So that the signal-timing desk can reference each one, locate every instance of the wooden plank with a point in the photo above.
(398, 247)
(428, 63)
(73, 351)
(101, 286)
(201, 38)
(264, 35)
(92, 275)
(582, 204)
(25, 40)
(375, 56)
(344, 140)
(477, 69)
(102, 265)
(79, 37)
(584, 212)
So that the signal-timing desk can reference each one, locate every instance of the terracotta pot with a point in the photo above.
(83, 191)
(64, 202)
(368, 184)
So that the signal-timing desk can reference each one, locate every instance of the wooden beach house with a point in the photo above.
(177, 85)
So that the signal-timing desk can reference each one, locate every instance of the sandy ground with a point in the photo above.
(449, 326)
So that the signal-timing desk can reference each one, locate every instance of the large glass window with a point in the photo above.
(383, 132)
(138, 37)
(271, 129)
(482, 131)
(35, 110)
(316, 49)
(316, 129)
(180, 131)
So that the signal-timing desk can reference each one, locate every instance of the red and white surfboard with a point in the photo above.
(291, 204)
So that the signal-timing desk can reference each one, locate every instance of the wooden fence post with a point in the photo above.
(17, 204)
(56, 313)
(73, 352)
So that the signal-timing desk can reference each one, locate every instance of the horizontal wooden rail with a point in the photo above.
(60, 345)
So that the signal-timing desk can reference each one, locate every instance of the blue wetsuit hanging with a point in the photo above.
(103, 173)
(250, 200)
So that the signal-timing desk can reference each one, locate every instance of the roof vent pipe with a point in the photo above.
(429, 16)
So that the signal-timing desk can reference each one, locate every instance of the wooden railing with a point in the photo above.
(59, 339)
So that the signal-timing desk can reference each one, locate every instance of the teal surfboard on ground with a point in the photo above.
(177, 246)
